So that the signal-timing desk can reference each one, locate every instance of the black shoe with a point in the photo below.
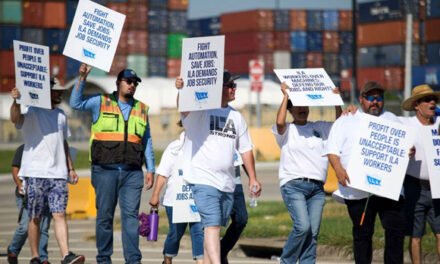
(12, 258)
(35, 261)
(73, 258)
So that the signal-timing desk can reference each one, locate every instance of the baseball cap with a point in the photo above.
(370, 86)
(228, 78)
(55, 85)
(128, 74)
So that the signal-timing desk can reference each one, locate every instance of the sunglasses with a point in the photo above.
(428, 99)
(130, 82)
(371, 98)
(230, 85)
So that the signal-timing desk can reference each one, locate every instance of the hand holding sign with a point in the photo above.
(84, 71)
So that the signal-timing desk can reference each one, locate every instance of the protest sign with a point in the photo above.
(184, 208)
(32, 74)
(309, 87)
(94, 35)
(202, 73)
(379, 158)
(431, 145)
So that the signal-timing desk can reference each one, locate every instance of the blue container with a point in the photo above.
(345, 41)
(389, 55)
(11, 11)
(55, 39)
(330, 19)
(433, 8)
(433, 53)
(8, 35)
(298, 41)
(314, 20)
(331, 63)
(298, 60)
(210, 26)
(71, 6)
(345, 60)
(33, 35)
(158, 4)
(193, 27)
(157, 44)
(314, 41)
(426, 74)
(157, 21)
(369, 56)
(72, 67)
(282, 20)
(157, 66)
(104, 2)
(177, 22)
(387, 10)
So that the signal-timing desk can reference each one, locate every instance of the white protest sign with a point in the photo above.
(379, 159)
(94, 35)
(202, 73)
(32, 74)
(184, 208)
(431, 145)
(309, 87)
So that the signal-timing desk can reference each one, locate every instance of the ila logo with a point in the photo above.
(315, 96)
(220, 124)
(88, 54)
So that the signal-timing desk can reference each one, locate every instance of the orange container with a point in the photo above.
(345, 84)
(57, 65)
(173, 68)
(314, 60)
(6, 84)
(137, 16)
(123, 43)
(137, 42)
(119, 63)
(365, 75)
(282, 40)
(33, 13)
(246, 42)
(7, 67)
(432, 30)
(118, 7)
(394, 78)
(255, 20)
(55, 15)
(383, 33)
(330, 41)
(298, 20)
(345, 20)
(178, 4)
(239, 63)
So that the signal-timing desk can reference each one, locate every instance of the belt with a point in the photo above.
(309, 180)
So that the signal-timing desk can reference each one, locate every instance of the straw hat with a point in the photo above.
(417, 93)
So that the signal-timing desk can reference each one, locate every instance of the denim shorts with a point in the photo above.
(43, 193)
(214, 205)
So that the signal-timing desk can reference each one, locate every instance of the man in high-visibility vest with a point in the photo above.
(120, 141)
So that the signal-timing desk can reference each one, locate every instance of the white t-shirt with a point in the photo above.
(417, 167)
(341, 141)
(212, 138)
(44, 132)
(302, 149)
(169, 169)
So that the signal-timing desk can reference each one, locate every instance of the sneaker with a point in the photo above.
(73, 258)
(12, 258)
(35, 261)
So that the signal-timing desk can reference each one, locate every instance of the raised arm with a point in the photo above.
(15, 114)
(282, 111)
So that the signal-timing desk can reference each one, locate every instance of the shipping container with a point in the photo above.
(122, 48)
(57, 66)
(119, 63)
(365, 75)
(157, 45)
(433, 53)
(330, 20)
(331, 63)
(389, 55)
(239, 63)
(55, 39)
(254, 20)
(137, 15)
(174, 44)
(314, 60)
(298, 60)
(390, 32)
(432, 8)
(314, 41)
(173, 68)
(298, 20)
(11, 11)
(345, 60)
(181, 5)
(6, 84)
(33, 35)
(9, 33)
(314, 20)
(346, 42)
(385, 10)
(157, 4)
(282, 20)
(137, 42)
(426, 74)
(298, 41)
(71, 6)
(55, 15)
(345, 20)
(345, 81)
(177, 22)
(282, 40)
(118, 7)
(210, 26)
(33, 13)
(157, 66)
(7, 68)
(330, 41)
(138, 63)
(394, 78)
(72, 67)
(281, 60)
(249, 42)
(431, 30)
(157, 21)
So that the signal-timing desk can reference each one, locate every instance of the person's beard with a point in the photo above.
(128, 96)
(376, 111)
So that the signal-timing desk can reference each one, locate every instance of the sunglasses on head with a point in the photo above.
(428, 99)
(130, 82)
(371, 98)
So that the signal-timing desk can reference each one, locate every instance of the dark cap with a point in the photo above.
(228, 78)
(128, 74)
(370, 86)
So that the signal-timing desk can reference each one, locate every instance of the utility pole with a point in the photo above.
(354, 52)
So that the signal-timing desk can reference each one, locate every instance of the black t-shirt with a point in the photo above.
(16, 161)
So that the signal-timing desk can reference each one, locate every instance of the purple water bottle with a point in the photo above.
(153, 220)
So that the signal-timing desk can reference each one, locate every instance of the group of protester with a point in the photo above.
(214, 143)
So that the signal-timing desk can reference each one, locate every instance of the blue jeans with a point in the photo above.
(113, 183)
(304, 201)
(239, 217)
(21, 232)
(175, 233)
